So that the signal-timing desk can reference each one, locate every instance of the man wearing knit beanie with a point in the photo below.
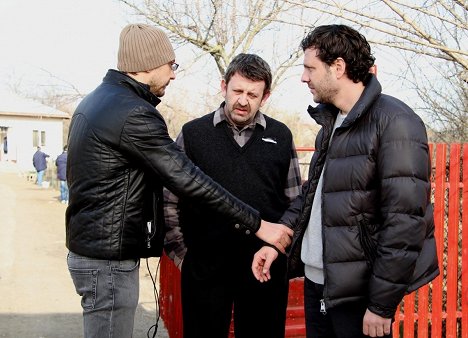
(120, 156)
(143, 51)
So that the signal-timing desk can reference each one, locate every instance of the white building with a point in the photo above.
(26, 124)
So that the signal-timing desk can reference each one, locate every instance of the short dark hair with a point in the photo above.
(340, 41)
(252, 67)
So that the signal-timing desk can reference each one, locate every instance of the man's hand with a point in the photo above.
(376, 326)
(275, 234)
(261, 263)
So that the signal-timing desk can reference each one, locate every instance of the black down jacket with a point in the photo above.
(120, 156)
(377, 218)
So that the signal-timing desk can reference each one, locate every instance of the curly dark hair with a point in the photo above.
(252, 67)
(335, 41)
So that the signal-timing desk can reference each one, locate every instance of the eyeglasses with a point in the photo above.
(174, 66)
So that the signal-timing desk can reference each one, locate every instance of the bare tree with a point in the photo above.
(433, 32)
(218, 30)
(433, 35)
(224, 28)
(444, 100)
(53, 92)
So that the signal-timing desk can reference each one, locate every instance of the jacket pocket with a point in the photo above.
(368, 244)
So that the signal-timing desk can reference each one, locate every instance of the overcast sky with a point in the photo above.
(76, 40)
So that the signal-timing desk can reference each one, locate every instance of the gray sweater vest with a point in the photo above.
(255, 173)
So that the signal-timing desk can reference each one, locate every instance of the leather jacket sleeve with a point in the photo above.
(145, 138)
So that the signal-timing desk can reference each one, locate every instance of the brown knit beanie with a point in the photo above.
(143, 47)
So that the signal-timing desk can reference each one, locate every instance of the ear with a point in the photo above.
(340, 67)
(223, 88)
(264, 98)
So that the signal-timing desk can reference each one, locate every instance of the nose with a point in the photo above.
(243, 100)
(305, 77)
(173, 76)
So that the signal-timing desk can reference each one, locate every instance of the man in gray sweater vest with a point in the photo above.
(253, 157)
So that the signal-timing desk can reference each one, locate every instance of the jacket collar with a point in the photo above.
(371, 92)
(141, 89)
(325, 114)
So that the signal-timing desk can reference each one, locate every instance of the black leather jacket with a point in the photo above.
(377, 216)
(119, 157)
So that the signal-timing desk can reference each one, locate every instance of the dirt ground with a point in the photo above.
(37, 297)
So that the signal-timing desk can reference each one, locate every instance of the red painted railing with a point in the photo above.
(437, 310)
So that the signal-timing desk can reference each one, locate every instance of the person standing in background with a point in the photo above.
(5, 148)
(363, 224)
(61, 163)
(40, 164)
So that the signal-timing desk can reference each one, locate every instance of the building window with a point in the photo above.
(43, 139)
(35, 138)
(39, 138)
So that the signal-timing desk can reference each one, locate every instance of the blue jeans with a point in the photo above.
(109, 293)
(40, 175)
(63, 191)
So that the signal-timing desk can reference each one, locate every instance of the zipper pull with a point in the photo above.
(323, 310)
(148, 241)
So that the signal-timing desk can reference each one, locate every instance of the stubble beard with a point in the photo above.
(239, 120)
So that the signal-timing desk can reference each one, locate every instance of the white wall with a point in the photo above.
(20, 138)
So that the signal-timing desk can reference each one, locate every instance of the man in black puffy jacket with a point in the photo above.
(119, 158)
(364, 229)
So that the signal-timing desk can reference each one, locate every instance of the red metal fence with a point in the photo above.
(437, 310)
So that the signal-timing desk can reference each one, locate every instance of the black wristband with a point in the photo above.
(274, 247)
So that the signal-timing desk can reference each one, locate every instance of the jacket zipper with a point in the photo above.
(323, 309)
(148, 236)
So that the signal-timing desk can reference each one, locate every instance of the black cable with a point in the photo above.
(156, 300)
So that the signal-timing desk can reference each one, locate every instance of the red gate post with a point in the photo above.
(439, 207)
(464, 293)
(408, 308)
(423, 292)
(423, 310)
(452, 241)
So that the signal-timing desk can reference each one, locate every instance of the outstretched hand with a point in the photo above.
(275, 234)
(261, 263)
